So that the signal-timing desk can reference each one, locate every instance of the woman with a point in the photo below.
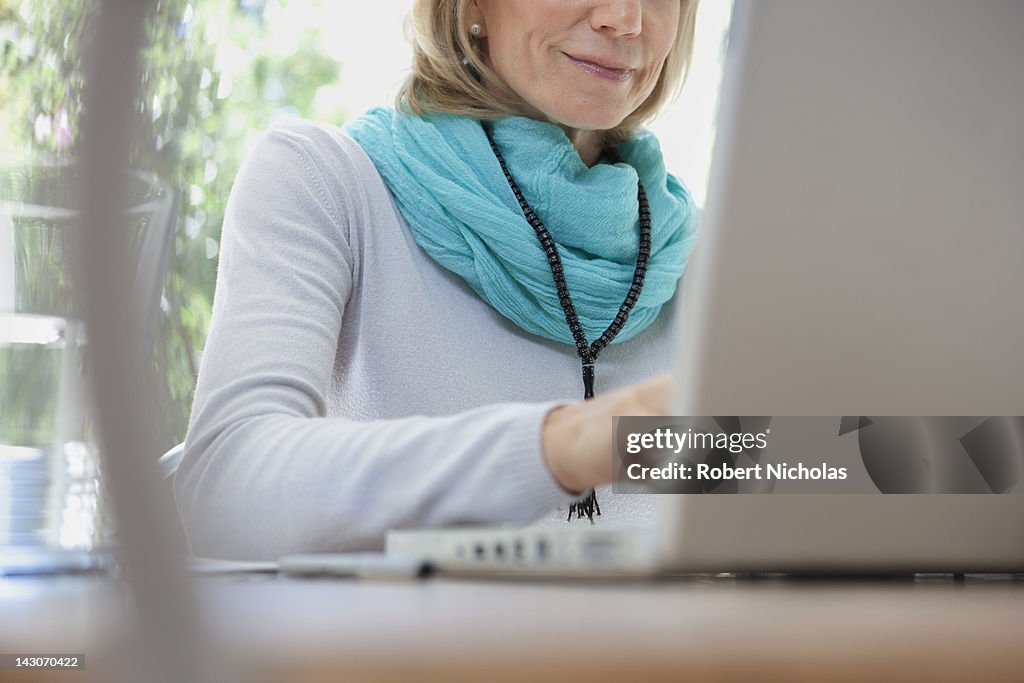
(406, 307)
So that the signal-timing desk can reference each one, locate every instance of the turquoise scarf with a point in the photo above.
(461, 211)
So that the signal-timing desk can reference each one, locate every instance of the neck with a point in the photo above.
(588, 143)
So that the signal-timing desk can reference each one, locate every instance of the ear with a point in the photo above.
(474, 15)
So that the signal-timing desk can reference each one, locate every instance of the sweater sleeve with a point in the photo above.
(265, 472)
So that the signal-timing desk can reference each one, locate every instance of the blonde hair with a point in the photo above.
(441, 83)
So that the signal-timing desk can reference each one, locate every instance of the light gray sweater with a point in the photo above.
(350, 385)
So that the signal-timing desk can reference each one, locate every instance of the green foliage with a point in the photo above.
(28, 418)
(211, 82)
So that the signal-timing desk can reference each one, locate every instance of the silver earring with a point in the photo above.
(475, 29)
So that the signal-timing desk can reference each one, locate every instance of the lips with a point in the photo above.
(602, 67)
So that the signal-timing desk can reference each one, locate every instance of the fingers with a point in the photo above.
(649, 397)
(653, 395)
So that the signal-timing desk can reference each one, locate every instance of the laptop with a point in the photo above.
(862, 254)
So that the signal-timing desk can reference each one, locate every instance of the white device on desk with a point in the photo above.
(862, 252)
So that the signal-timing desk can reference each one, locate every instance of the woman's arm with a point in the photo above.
(265, 472)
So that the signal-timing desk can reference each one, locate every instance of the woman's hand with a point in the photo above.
(577, 438)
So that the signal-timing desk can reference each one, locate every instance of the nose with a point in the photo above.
(618, 17)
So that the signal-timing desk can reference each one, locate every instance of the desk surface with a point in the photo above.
(697, 629)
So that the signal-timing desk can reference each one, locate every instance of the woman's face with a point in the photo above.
(586, 64)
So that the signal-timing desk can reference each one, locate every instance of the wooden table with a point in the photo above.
(695, 629)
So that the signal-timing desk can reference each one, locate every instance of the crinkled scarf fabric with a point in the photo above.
(461, 211)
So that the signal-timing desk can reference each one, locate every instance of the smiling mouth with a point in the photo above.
(611, 72)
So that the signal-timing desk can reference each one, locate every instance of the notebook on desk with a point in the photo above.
(862, 252)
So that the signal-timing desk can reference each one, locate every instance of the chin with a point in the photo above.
(590, 118)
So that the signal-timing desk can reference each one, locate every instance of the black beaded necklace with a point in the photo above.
(587, 352)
